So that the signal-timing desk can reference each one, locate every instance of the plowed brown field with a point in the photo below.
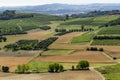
(91, 56)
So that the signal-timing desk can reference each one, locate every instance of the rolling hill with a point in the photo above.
(63, 8)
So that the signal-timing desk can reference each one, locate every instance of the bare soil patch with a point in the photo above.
(13, 62)
(68, 75)
(91, 56)
(112, 50)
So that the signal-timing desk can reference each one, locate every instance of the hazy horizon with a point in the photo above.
(42, 2)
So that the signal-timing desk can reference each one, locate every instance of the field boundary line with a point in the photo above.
(107, 55)
(92, 69)
(36, 55)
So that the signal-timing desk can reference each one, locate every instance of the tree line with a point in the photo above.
(53, 67)
(106, 37)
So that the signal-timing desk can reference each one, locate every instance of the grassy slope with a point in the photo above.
(106, 42)
(57, 52)
(96, 21)
(28, 23)
(110, 31)
(110, 72)
(114, 30)
(87, 37)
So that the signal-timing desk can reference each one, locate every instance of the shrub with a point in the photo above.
(61, 68)
(5, 68)
(84, 65)
(45, 27)
(114, 58)
(87, 49)
(22, 69)
(93, 49)
(101, 49)
(73, 68)
(51, 68)
(56, 67)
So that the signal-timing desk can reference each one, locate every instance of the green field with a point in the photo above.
(85, 38)
(39, 66)
(96, 21)
(24, 24)
(57, 52)
(110, 72)
(70, 27)
(106, 42)
(114, 30)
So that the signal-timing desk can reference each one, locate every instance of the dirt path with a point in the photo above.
(67, 75)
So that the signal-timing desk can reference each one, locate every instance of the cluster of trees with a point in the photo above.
(55, 68)
(30, 44)
(3, 39)
(94, 49)
(22, 69)
(45, 27)
(11, 14)
(96, 13)
(106, 37)
(82, 65)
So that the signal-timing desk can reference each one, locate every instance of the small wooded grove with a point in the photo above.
(31, 44)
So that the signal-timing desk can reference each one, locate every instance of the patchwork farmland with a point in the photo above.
(81, 39)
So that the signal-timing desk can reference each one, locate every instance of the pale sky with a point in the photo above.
(40, 2)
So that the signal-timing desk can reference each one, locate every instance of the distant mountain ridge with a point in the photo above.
(61, 9)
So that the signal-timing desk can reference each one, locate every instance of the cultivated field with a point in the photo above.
(14, 59)
(67, 37)
(110, 72)
(90, 56)
(39, 35)
(68, 75)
